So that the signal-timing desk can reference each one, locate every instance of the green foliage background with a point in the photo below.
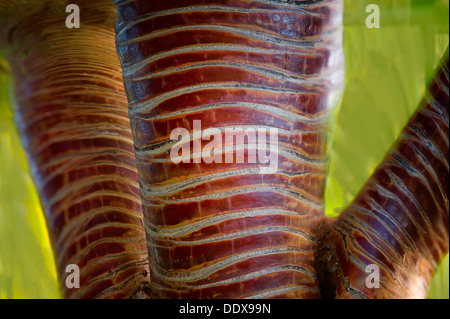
(387, 70)
(27, 268)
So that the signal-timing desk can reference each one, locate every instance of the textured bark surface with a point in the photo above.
(218, 230)
(72, 115)
(224, 230)
(399, 220)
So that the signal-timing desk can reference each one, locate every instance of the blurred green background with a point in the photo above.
(387, 70)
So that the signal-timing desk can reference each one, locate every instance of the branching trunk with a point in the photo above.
(399, 220)
(215, 229)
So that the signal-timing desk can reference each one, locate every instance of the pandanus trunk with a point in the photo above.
(72, 115)
(230, 230)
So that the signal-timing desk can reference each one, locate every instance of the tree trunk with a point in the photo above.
(399, 220)
(72, 116)
(211, 227)
(230, 230)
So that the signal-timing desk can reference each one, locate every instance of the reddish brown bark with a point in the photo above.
(72, 116)
(224, 230)
(219, 230)
(399, 220)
